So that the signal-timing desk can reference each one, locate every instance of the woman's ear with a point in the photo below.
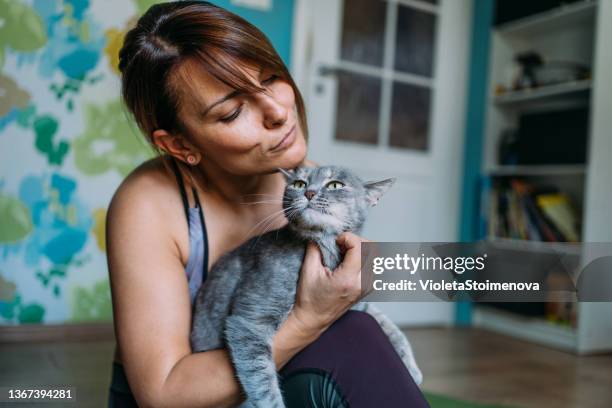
(167, 142)
(175, 145)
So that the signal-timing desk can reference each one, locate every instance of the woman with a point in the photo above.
(215, 99)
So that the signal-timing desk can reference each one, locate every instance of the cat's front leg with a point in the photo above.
(212, 304)
(396, 337)
(250, 345)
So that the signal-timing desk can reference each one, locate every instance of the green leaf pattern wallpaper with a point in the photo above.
(65, 145)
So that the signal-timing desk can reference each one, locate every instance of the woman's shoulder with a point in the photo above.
(148, 182)
(149, 174)
(149, 195)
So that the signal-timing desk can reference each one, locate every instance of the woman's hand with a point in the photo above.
(322, 295)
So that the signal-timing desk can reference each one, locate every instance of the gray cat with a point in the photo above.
(251, 290)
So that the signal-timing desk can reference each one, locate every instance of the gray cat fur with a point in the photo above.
(250, 291)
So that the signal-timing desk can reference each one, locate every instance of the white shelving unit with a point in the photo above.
(536, 246)
(531, 329)
(545, 92)
(569, 15)
(538, 170)
(576, 32)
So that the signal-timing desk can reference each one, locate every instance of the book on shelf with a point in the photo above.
(558, 209)
(516, 209)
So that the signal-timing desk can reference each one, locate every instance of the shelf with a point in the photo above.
(539, 170)
(532, 329)
(569, 248)
(565, 89)
(580, 13)
(574, 33)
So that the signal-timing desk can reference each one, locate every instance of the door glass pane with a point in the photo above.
(410, 116)
(358, 107)
(363, 31)
(414, 42)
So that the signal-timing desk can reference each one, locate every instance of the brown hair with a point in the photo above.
(170, 34)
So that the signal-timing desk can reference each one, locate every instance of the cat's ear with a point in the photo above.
(289, 174)
(376, 189)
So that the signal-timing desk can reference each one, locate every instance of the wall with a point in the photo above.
(474, 132)
(65, 145)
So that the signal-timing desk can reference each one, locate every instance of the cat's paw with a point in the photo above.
(268, 403)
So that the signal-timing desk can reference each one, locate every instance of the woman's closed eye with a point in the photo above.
(270, 79)
(236, 112)
(233, 115)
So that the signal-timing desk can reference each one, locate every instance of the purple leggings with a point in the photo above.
(352, 364)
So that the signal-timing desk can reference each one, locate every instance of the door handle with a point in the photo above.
(325, 71)
(329, 70)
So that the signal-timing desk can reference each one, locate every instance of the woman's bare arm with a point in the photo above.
(152, 311)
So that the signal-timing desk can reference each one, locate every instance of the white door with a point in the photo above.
(384, 83)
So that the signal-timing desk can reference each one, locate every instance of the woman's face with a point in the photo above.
(243, 133)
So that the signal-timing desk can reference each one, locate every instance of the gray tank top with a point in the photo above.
(197, 264)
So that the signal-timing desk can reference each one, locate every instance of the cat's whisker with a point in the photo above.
(260, 194)
(322, 205)
(292, 214)
(263, 202)
(292, 210)
(245, 198)
(268, 218)
(266, 222)
(322, 202)
(268, 226)
(289, 212)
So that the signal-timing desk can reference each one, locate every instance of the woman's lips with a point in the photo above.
(286, 141)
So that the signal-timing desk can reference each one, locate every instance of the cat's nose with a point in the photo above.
(309, 194)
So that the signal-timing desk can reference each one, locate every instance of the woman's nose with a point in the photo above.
(275, 114)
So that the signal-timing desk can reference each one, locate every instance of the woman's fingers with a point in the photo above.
(324, 295)
(368, 253)
(348, 274)
(351, 244)
(313, 253)
(348, 240)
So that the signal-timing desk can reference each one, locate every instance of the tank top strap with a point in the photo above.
(179, 180)
(189, 214)
(204, 235)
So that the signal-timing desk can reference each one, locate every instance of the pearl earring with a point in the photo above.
(191, 159)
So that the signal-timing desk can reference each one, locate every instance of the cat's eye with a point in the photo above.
(298, 184)
(334, 185)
